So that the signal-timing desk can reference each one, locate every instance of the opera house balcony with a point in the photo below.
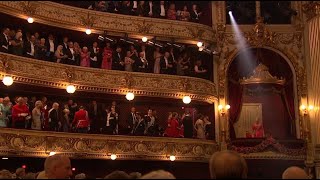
(122, 84)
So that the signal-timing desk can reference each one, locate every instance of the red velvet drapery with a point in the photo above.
(235, 101)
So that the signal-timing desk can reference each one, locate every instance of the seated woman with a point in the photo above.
(171, 13)
(258, 130)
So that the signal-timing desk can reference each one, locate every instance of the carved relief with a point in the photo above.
(56, 75)
(311, 9)
(83, 146)
(72, 18)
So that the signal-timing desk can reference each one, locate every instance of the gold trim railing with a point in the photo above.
(64, 16)
(15, 142)
(55, 75)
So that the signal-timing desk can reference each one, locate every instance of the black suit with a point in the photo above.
(139, 128)
(131, 121)
(163, 68)
(188, 126)
(116, 59)
(65, 48)
(4, 43)
(140, 66)
(27, 49)
(95, 116)
(73, 58)
(95, 58)
(50, 55)
(194, 17)
(54, 120)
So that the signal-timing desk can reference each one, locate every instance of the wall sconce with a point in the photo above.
(305, 109)
(222, 109)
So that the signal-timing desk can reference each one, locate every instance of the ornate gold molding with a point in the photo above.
(30, 143)
(30, 71)
(311, 9)
(55, 14)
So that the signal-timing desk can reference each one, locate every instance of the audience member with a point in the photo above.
(227, 165)
(117, 175)
(160, 174)
(294, 173)
(57, 167)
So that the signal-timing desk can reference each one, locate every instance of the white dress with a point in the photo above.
(36, 119)
(199, 126)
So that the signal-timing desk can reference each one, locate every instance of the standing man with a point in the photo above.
(132, 120)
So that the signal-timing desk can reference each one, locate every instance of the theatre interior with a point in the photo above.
(139, 86)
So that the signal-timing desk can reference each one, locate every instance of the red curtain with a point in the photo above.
(235, 101)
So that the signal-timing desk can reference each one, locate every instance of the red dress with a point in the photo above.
(173, 128)
(258, 130)
(81, 119)
(107, 58)
(16, 110)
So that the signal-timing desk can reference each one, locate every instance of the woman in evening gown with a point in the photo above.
(258, 131)
(200, 128)
(157, 55)
(107, 57)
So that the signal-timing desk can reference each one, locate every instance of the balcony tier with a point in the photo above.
(47, 74)
(64, 16)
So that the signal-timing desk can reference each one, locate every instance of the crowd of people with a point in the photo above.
(129, 57)
(153, 9)
(222, 165)
(98, 118)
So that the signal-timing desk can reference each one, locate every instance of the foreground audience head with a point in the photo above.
(42, 175)
(117, 175)
(228, 165)
(135, 175)
(20, 172)
(80, 176)
(6, 100)
(294, 173)
(1, 100)
(58, 167)
(5, 174)
(160, 174)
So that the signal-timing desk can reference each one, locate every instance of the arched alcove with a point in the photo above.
(278, 110)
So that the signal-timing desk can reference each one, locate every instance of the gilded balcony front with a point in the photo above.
(47, 74)
(55, 14)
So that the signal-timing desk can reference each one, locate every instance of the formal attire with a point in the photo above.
(37, 119)
(30, 49)
(51, 46)
(5, 112)
(95, 116)
(95, 57)
(17, 49)
(199, 126)
(111, 126)
(173, 128)
(20, 115)
(71, 60)
(65, 123)
(151, 126)
(142, 65)
(41, 52)
(171, 14)
(116, 59)
(188, 126)
(54, 120)
(140, 127)
(156, 67)
(194, 15)
(81, 121)
(209, 128)
(4, 43)
(85, 59)
(107, 58)
(131, 122)
(164, 68)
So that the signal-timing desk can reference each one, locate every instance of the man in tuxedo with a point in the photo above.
(187, 124)
(117, 60)
(95, 56)
(132, 120)
(4, 40)
(166, 65)
(195, 14)
(147, 55)
(30, 47)
(71, 54)
(65, 45)
(140, 126)
(54, 118)
(173, 59)
(95, 114)
(51, 47)
(142, 64)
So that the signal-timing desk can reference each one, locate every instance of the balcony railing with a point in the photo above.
(55, 14)
(55, 75)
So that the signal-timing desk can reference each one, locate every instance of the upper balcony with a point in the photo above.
(55, 14)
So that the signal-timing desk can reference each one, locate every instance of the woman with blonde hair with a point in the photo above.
(37, 116)
(59, 54)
